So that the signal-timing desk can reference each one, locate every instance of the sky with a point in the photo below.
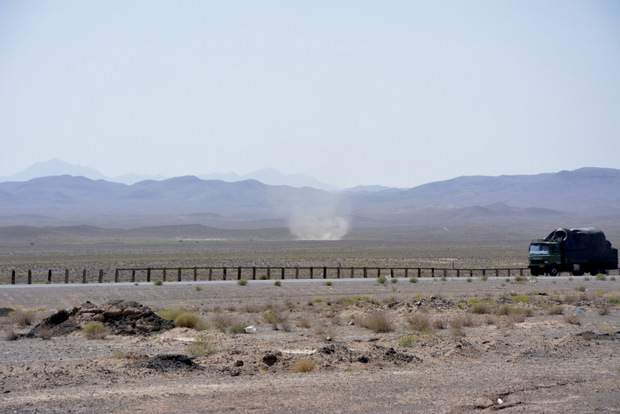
(395, 93)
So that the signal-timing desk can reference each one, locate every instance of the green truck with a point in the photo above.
(577, 251)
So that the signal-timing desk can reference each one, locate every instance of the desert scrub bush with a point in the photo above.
(304, 323)
(420, 323)
(469, 279)
(169, 313)
(413, 280)
(242, 282)
(378, 322)
(201, 346)
(481, 308)
(407, 341)
(198, 288)
(9, 334)
(317, 299)
(520, 279)
(440, 324)
(277, 283)
(580, 288)
(237, 328)
(45, 333)
(573, 319)
(262, 276)
(555, 310)
(600, 276)
(381, 280)
(394, 280)
(521, 298)
(484, 278)
(94, 330)
(221, 321)
(614, 300)
(304, 365)
(329, 283)
(514, 318)
(587, 278)
(272, 318)
(22, 318)
(190, 320)
(158, 282)
(346, 300)
(118, 354)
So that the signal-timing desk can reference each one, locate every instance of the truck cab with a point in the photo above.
(545, 257)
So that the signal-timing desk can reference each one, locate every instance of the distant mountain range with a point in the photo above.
(588, 196)
(56, 167)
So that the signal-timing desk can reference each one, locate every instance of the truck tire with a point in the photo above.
(535, 272)
(577, 272)
(553, 271)
(594, 272)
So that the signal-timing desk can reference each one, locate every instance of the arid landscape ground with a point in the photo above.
(406, 345)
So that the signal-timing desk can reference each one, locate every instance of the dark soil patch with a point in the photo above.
(170, 362)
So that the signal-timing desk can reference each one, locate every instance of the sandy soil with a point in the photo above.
(546, 346)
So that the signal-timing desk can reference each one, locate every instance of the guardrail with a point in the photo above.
(210, 273)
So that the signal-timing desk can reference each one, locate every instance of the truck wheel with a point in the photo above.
(578, 273)
(594, 272)
(535, 272)
(553, 271)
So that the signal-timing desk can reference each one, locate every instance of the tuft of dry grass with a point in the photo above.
(304, 365)
(378, 322)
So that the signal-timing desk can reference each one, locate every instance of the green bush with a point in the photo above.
(242, 282)
(158, 282)
(381, 280)
(413, 280)
(201, 346)
(94, 330)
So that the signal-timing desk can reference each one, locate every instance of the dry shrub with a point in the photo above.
(304, 365)
(170, 314)
(304, 323)
(9, 334)
(94, 330)
(571, 299)
(463, 321)
(514, 318)
(221, 321)
(572, 319)
(481, 308)
(190, 320)
(491, 320)
(440, 324)
(326, 333)
(419, 322)
(285, 326)
(457, 332)
(45, 333)
(378, 322)
(555, 310)
(21, 318)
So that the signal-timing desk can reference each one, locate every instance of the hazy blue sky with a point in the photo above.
(397, 93)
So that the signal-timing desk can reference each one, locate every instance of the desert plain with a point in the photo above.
(445, 345)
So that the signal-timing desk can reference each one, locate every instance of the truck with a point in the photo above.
(578, 251)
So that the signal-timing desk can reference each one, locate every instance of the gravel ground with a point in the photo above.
(534, 360)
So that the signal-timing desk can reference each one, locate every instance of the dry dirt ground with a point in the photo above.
(544, 346)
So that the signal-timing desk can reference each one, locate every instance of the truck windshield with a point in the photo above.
(539, 248)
